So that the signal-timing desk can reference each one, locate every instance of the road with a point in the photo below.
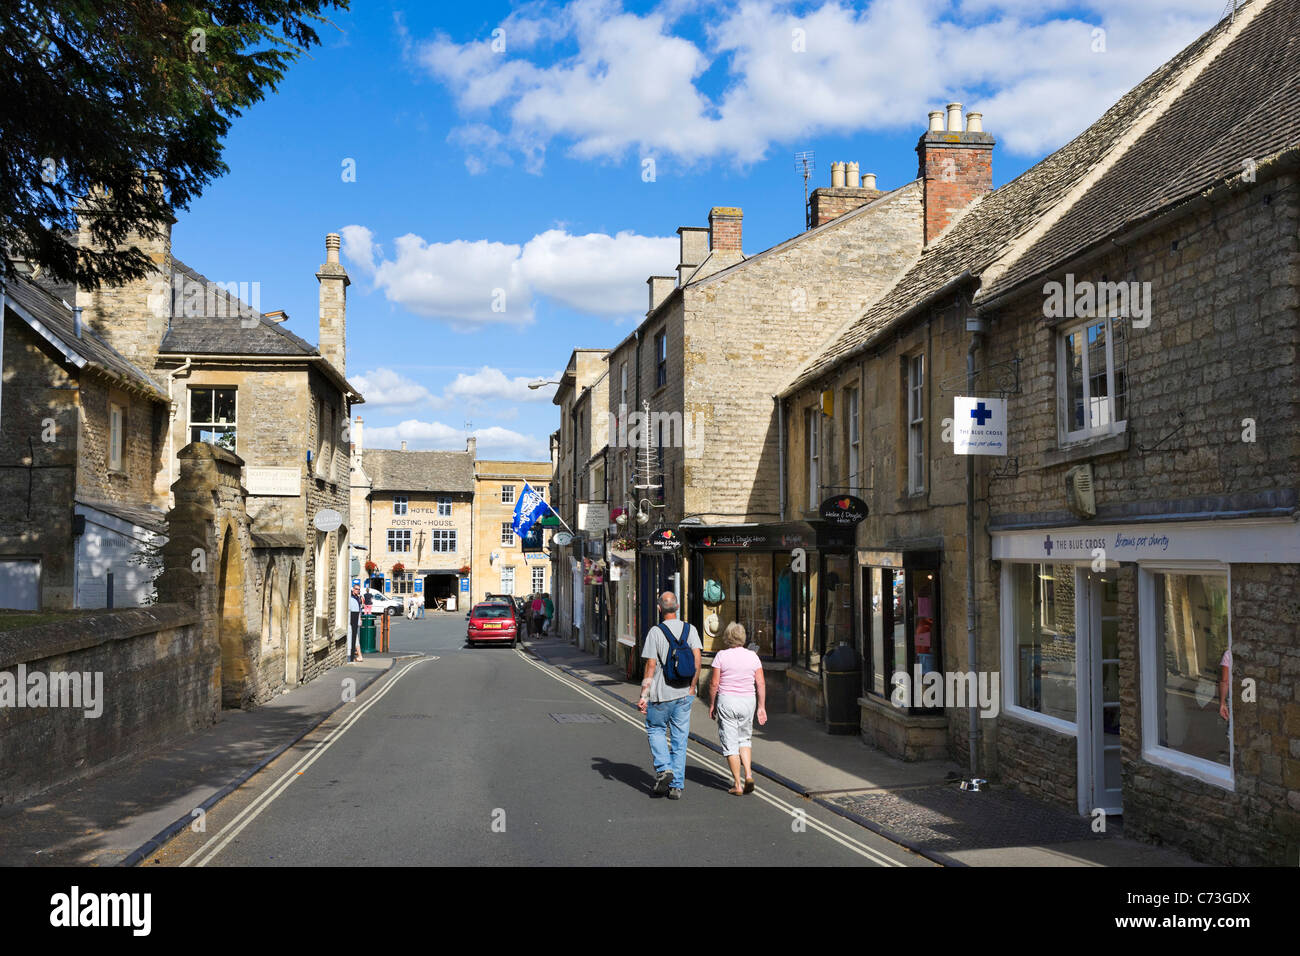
(454, 758)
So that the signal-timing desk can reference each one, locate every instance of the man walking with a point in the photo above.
(665, 701)
(354, 615)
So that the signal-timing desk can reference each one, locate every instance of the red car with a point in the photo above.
(492, 624)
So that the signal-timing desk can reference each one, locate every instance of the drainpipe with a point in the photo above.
(780, 451)
(171, 430)
(973, 732)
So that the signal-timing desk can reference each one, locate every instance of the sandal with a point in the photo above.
(749, 785)
(736, 793)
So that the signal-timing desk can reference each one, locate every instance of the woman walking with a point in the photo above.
(733, 702)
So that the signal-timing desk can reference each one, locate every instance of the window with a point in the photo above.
(442, 541)
(1092, 384)
(507, 533)
(507, 580)
(916, 424)
(399, 540)
(1187, 680)
(116, 436)
(444, 506)
(507, 494)
(323, 466)
(403, 583)
(1043, 639)
(812, 430)
(661, 359)
(622, 391)
(320, 570)
(854, 440)
(539, 580)
(212, 416)
(597, 483)
(400, 503)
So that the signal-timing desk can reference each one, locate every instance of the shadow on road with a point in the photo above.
(639, 778)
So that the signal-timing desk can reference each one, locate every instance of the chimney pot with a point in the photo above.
(837, 175)
(403, 446)
(954, 117)
(936, 121)
(332, 243)
(851, 177)
(868, 180)
(974, 122)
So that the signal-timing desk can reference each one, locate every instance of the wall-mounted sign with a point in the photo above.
(562, 539)
(843, 510)
(327, 520)
(665, 540)
(464, 585)
(979, 426)
(273, 481)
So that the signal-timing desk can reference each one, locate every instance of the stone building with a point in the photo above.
(502, 563)
(415, 511)
(1134, 298)
(578, 445)
(694, 446)
(238, 379)
(82, 434)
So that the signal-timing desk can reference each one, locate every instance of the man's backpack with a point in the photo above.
(679, 668)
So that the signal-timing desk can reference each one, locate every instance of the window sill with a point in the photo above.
(1214, 774)
(1087, 448)
(917, 502)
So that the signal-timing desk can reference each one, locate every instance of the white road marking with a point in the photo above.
(205, 854)
(839, 836)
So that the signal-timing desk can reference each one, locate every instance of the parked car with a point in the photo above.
(492, 622)
(382, 604)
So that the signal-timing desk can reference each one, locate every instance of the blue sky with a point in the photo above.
(500, 155)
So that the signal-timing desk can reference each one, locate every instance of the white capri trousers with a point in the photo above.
(735, 721)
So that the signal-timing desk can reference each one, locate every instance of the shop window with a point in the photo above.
(1188, 663)
(904, 629)
(1092, 388)
(1042, 625)
(758, 590)
(835, 607)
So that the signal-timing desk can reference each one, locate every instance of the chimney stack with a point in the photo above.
(847, 192)
(694, 250)
(334, 282)
(357, 446)
(956, 168)
(471, 446)
(724, 228)
(403, 446)
(660, 287)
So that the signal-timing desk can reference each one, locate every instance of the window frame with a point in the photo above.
(507, 534)
(444, 506)
(1066, 435)
(507, 494)
(915, 405)
(812, 454)
(442, 540)
(395, 535)
(538, 580)
(661, 359)
(232, 426)
(854, 440)
(508, 588)
(1153, 751)
(404, 503)
(116, 437)
(1009, 652)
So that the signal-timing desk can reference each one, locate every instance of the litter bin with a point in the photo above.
(840, 678)
(367, 633)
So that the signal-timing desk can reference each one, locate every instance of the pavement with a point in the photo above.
(449, 739)
(916, 804)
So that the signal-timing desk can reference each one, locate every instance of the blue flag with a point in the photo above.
(528, 509)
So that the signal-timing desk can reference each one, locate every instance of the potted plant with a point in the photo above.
(399, 569)
(371, 568)
(464, 569)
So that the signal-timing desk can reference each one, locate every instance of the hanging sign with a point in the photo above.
(979, 426)
(327, 520)
(562, 539)
(665, 540)
(843, 511)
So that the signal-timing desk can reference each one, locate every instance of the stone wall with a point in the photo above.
(158, 679)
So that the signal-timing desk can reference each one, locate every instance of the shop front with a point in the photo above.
(658, 569)
(1137, 665)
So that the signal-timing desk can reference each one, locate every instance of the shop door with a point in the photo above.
(1100, 783)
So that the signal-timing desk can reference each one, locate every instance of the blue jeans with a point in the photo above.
(659, 718)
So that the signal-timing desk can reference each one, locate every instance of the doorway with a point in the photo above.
(1100, 765)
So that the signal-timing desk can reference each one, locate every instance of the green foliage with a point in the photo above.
(95, 92)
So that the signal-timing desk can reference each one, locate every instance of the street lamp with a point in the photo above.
(542, 383)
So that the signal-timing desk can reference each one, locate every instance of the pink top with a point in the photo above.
(736, 667)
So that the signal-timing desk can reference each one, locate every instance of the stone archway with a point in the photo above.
(293, 630)
(231, 628)
(268, 607)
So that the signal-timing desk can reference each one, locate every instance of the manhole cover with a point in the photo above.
(580, 718)
(410, 716)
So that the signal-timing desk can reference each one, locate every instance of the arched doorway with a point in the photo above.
(231, 629)
(293, 631)
(268, 608)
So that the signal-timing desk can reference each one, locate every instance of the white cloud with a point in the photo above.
(383, 386)
(470, 284)
(605, 82)
(494, 442)
(492, 384)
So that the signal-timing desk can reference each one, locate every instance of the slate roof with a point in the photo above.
(428, 471)
(1244, 104)
(224, 332)
(34, 304)
(142, 516)
(988, 227)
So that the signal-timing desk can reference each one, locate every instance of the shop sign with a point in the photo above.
(979, 426)
(562, 539)
(759, 539)
(327, 520)
(843, 511)
(665, 540)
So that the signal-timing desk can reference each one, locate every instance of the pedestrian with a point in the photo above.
(672, 656)
(537, 616)
(354, 615)
(548, 609)
(410, 608)
(419, 606)
(733, 703)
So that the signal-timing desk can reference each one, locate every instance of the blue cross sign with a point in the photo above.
(980, 413)
(1048, 544)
